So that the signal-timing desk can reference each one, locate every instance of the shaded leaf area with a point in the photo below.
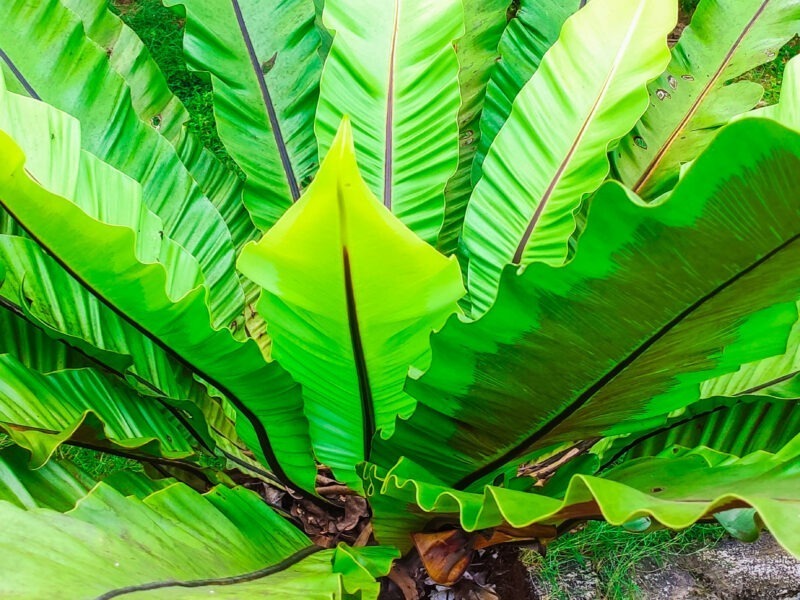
(265, 87)
(352, 296)
(57, 485)
(129, 533)
(152, 282)
(773, 376)
(657, 300)
(691, 100)
(737, 426)
(65, 53)
(39, 412)
(395, 73)
(591, 86)
(673, 491)
(776, 421)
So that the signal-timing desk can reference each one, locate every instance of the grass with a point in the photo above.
(161, 30)
(770, 74)
(96, 464)
(615, 556)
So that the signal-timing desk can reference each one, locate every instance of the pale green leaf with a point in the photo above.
(351, 296)
(588, 92)
(173, 543)
(394, 72)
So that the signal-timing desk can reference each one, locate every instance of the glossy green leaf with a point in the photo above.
(264, 67)
(765, 377)
(657, 300)
(149, 280)
(477, 54)
(57, 485)
(691, 100)
(40, 412)
(529, 35)
(675, 492)
(351, 296)
(394, 72)
(100, 98)
(36, 287)
(156, 104)
(588, 92)
(33, 346)
(173, 543)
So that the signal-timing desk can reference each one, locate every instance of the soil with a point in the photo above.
(731, 570)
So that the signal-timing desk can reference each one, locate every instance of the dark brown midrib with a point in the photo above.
(651, 168)
(232, 580)
(18, 74)
(388, 157)
(357, 345)
(266, 98)
(586, 396)
(364, 389)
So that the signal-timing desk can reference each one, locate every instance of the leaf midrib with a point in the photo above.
(266, 98)
(18, 74)
(388, 158)
(621, 53)
(218, 581)
(356, 341)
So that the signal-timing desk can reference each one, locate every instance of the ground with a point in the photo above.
(705, 567)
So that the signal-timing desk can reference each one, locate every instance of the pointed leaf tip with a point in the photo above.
(343, 146)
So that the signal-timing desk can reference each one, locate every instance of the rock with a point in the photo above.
(737, 571)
